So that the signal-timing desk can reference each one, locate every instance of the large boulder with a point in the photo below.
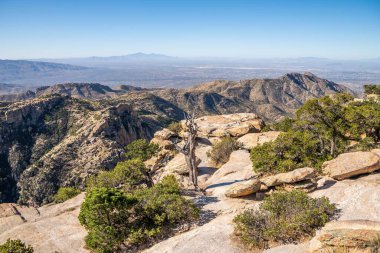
(353, 236)
(294, 176)
(351, 164)
(235, 125)
(251, 140)
(244, 188)
(178, 165)
(238, 167)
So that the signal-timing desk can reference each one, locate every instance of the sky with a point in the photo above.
(339, 29)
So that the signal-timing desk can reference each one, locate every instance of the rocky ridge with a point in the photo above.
(270, 99)
(55, 141)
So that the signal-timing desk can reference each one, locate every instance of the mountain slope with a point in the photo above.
(269, 98)
(55, 141)
(79, 90)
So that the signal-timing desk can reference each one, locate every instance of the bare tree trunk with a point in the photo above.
(192, 162)
(189, 148)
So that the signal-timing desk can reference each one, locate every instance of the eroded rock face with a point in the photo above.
(55, 141)
(235, 125)
(354, 236)
(251, 140)
(351, 164)
(244, 188)
(294, 176)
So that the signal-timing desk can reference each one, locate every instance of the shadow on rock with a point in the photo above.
(223, 184)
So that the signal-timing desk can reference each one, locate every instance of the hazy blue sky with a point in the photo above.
(257, 28)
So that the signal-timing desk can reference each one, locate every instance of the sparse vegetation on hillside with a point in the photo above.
(15, 246)
(221, 150)
(123, 209)
(65, 193)
(283, 217)
(323, 129)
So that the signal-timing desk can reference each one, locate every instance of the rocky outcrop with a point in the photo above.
(251, 140)
(290, 177)
(244, 188)
(57, 141)
(360, 236)
(234, 125)
(238, 167)
(50, 228)
(351, 164)
(356, 199)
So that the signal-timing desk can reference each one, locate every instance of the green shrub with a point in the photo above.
(323, 129)
(175, 127)
(372, 89)
(364, 119)
(283, 125)
(283, 217)
(291, 150)
(65, 193)
(127, 175)
(15, 246)
(120, 220)
(141, 149)
(221, 151)
(103, 213)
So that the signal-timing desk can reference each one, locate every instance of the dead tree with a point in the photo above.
(188, 149)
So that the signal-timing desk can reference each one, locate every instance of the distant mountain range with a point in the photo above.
(269, 98)
(14, 70)
(136, 58)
